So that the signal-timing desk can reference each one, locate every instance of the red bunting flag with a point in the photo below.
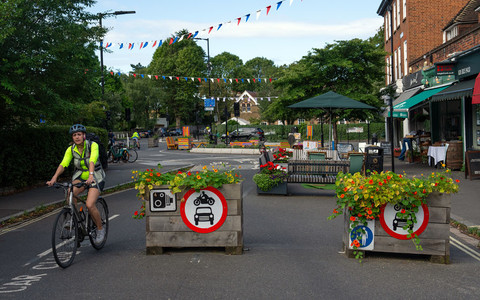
(141, 45)
(111, 73)
(156, 77)
(238, 19)
(210, 29)
(189, 35)
(218, 80)
(254, 80)
(236, 79)
(268, 9)
(199, 79)
(171, 41)
(154, 43)
(134, 75)
(270, 80)
(178, 78)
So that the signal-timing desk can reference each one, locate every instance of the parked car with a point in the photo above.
(245, 134)
(174, 132)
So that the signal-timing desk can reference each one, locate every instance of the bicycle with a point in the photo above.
(120, 152)
(72, 225)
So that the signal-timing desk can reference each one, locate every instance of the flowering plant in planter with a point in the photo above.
(362, 197)
(270, 176)
(145, 180)
(282, 155)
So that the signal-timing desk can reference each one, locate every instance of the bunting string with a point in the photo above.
(194, 79)
(204, 32)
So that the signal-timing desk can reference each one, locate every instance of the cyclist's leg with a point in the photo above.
(77, 190)
(92, 196)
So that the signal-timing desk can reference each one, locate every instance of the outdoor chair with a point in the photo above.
(171, 144)
(356, 162)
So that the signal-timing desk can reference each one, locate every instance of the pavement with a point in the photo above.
(465, 204)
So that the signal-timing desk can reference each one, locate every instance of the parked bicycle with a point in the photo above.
(72, 225)
(119, 152)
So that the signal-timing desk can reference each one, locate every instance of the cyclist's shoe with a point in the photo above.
(100, 236)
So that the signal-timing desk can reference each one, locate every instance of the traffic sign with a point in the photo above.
(364, 235)
(204, 211)
(162, 200)
(393, 224)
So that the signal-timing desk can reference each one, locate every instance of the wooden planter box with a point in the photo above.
(281, 189)
(434, 239)
(152, 142)
(168, 229)
(184, 143)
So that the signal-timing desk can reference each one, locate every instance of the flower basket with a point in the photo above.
(272, 179)
(280, 189)
(396, 152)
(191, 209)
(170, 230)
(388, 212)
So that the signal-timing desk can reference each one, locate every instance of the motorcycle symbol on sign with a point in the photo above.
(203, 199)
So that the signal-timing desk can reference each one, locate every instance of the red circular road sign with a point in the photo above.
(204, 211)
(394, 225)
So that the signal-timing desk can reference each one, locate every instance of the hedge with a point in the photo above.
(32, 154)
(280, 132)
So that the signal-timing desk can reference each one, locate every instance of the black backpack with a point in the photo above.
(102, 151)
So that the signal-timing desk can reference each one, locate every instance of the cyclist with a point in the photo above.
(88, 169)
(135, 138)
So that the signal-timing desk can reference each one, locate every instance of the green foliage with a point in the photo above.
(32, 154)
(48, 65)
(270, 176)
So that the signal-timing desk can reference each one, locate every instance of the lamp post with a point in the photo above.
(390, 100)
(100, 16)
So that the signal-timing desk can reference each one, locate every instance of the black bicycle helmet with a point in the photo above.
(77, 128)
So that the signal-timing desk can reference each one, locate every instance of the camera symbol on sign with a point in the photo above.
(161, 200)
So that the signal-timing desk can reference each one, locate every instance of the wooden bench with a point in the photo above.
(171, 144)
(316, 171)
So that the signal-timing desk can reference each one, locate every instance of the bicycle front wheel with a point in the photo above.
(92, 228)
(64, 238)
(133, 155)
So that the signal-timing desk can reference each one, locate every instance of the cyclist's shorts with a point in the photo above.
(100, 186)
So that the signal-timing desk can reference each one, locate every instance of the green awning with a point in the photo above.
(456, 91)
(411, 102)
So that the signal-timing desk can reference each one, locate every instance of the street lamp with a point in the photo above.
(100, 16)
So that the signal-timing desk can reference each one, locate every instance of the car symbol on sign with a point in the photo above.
(203, 214)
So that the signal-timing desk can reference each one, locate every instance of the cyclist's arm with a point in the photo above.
(61, 168)
(93, 159)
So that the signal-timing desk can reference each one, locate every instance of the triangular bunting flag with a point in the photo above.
(134, 75)
(195, 34)
(218, 80)
(268, 9)
(178, 78)
(248, 16)
(258, 13)
(149, 76)
(189, 35)
(121, 46)
(248, 79)
(171, 41)
(278, 4)
(141, 45)
(154, 43)
(145, 45)
(181, 38)
(160, 43)
(111, 73)
(219, 25)
(156, 77)
(186, 78)
(210, 29)
(236, 79)
(238, 19)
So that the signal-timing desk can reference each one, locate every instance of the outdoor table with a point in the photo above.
(437, 153)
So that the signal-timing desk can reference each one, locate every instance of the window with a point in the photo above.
(244, 107)
(404, 9)
(248, 107)
(394, 16)
(398, 13)
(387, 27)
(301, 121)
(450, 33)
(405, 61)
(399, 62)
(388, 71)
(394, 76)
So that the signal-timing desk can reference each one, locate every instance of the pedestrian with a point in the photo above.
(88, 169)
(407, 141)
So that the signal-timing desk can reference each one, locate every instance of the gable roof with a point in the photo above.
(251, 95)
(467, 15)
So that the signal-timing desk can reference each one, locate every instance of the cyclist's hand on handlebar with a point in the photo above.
(51, 182)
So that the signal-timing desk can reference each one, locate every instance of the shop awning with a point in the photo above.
(476, 91)
(407, 104)
(456, 91)
(407, 95)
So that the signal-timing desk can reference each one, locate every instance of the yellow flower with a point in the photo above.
(443, 165)
(198, 177)
(204, 167)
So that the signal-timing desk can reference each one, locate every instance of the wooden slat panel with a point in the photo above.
(439, 215)
(430, 246)
(193, 239)
(440, 200)
(433, 231)
(175, 223)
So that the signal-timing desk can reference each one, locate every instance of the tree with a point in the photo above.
(48, 65)
(184, 60)
(352, 68)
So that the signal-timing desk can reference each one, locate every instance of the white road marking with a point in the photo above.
(465, 248)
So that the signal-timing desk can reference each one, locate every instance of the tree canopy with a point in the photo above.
(48, 65)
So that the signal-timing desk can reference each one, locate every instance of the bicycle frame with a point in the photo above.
(71, 204)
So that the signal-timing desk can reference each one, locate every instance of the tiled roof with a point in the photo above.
(467, 15)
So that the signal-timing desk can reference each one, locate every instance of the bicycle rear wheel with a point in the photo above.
(133, 155)
(64, 238)
(92, 228)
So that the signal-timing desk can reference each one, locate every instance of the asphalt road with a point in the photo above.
(293, 253)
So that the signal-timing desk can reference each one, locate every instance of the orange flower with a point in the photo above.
(335, 211)
(151, 174)
(371, 181)
(198, 177)
(135, 213)
(158, 174)
(342, 196)
(148, 179)
(457, 181)
(369, 212)
(352, 218)
(345, 189)
(189, 173)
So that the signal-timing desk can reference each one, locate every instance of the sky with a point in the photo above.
(284, 35)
